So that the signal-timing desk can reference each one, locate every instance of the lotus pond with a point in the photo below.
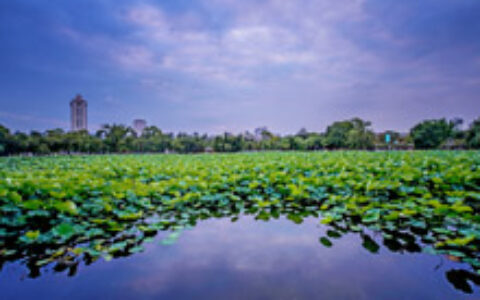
(354, 225)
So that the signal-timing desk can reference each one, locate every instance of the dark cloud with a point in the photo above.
(229, 65)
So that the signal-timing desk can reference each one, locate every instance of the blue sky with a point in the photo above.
(226, 65)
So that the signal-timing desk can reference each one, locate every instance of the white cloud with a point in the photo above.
(260, 40)
(281, 63)
(270, 35)
(134, 57)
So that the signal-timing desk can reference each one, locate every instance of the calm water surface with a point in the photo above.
(249, 259)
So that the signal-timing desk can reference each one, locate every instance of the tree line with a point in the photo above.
(349, 134)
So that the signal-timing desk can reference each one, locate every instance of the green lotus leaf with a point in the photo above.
(32, 204)
(117, 203)
(371, 216)
(130, 215)
(295, 218)
(326, 242)
(14, 197)
(460, 241)
(263, 215)
(333, 234)
(136, 249)
(64, 231)
(117, 247)
(66, 207)
(171, 238)
(30, 236)
(370, 244)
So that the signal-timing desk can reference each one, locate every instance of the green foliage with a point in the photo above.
(336, 135)
(58, 208)
(4, 139)
(354, 134)
(351, 134)
(360, 137)
(473, 135)
(431, 134)
(326, 242)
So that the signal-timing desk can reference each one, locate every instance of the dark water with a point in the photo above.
(251, 259)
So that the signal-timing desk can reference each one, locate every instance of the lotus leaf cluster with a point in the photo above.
(62, 210)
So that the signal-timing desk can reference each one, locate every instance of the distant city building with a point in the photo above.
(139, 125)
(78, 113)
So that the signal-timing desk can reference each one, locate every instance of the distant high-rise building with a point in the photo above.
(139, 125)
(78, 113)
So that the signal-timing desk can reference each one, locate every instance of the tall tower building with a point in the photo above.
(139, 125)
(78, 113)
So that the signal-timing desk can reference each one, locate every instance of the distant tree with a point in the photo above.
(117, 138)
(269, 142)
(56, 140)
(37, 143)
(283, 143)
(473, 135)
(303, 133)
(228, 143)
(43, 149)
(337, 134)
(349, 134)
(237, 143)
(314, 141)
(82, 142)
(5, 140)
(154, 140)
(95, 144)
(151, 131)
(249, 141)
(219, 144)
(430, 134)
(20, 143)
(262, 133)
(185, 143)
(360, 137)
(457, 132)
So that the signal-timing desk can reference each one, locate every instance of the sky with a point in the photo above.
(211, 66)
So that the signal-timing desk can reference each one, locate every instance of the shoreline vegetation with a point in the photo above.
(353, 134)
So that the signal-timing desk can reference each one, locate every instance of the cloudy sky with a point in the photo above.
(226, 65)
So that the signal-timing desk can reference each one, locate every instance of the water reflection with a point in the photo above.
(461, 279)
(253, 259)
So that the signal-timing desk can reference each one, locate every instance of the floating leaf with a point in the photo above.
(333, 234)
(460, 241)
(297, 219)
(64, 230)
(73, 205)
(326, 242)
(171, 238)
(371, 216)
(370, 244)
(66, 206)
(136, 249)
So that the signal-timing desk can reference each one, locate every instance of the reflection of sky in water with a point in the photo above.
(247, 260)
